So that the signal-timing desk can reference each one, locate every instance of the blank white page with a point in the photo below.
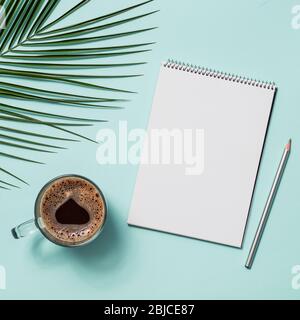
(233, 114)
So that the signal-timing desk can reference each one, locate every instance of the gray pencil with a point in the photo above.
(268, 205)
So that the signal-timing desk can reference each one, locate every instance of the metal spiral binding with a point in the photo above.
(172, 64)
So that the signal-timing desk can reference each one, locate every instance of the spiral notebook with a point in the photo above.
(202, 152)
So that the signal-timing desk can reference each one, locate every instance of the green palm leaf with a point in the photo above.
(37, 42)
(77, 103)
(56, 78)
(7, 109)
(95, 29)
(24, 24)
(12, 156)
(75, 56)
(15, 145)
(4, 188)
(12, 26)
(33, 49)
(12, 175)
(92, 21)
(59, 95)
(32, 15)
(46, 123)
(77, 52)
(14, 138)
(46, 11)
(34, 134)
(65, 15)
(8, 184)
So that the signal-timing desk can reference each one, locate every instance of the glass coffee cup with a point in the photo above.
(70, 211)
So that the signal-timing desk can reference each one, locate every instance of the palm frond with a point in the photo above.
(4, 188)
(13, 111)
(8, 184)
(76, 41)
(45, 12)
(76, 56)
(69, 66)
(65, 102)
(21, 28)
(92, 21)
(71, 52)
(95, 29)
(34, 134)
(29, 22)
(58, 95)
(38, 48)
(65, 15)
(57, 78)
(10, 12)
(12, 156)
(46, 123)
(16, 145)
(12, 175)
(14, 138)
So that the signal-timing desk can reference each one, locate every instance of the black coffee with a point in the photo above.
(71, 213)
(72, 210)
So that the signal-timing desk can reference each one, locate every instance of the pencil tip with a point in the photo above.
(289, 145)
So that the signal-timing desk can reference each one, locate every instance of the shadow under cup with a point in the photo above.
(70, 234)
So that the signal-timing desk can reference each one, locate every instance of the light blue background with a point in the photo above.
(247, 37)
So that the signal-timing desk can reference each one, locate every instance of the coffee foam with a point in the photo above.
(84, 194)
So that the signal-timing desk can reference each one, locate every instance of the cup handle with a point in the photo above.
(25, 229)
